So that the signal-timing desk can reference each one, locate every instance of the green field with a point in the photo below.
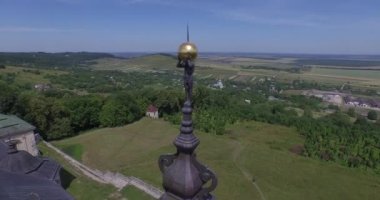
(250, 151)
(151, 62)
(365, 74)
(23, 77)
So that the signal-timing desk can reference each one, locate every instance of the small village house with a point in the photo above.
(42, 87)
(152, 112)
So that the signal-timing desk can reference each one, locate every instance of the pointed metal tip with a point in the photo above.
(188, 37)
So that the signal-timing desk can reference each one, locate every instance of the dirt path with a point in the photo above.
(246, 174)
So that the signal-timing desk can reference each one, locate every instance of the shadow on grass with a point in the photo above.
(66, 178)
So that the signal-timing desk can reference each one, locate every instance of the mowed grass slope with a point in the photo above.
(83, 188)
(250, 151)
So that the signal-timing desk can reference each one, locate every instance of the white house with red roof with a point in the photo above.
(152, 112)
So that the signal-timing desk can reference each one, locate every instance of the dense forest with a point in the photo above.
(51, 60)
(113, 99)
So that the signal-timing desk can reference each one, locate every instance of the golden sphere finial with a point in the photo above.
(187, 51)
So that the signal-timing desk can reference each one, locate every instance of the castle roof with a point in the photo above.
(24, 163)
(3, 149)
(11, 125)
(152, 108)
(16, 186)
(20, 162)
(23, 176)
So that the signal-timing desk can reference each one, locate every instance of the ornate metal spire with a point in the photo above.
(183, 176)
(188, 37)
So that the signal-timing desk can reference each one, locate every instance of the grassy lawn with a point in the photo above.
(250, 151)
(74, 150)
(82, 188)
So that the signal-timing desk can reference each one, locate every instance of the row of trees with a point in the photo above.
(59, 114)
(51, 60)
(332, 138)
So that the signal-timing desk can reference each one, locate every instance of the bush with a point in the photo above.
(372, 115)
(351, 112)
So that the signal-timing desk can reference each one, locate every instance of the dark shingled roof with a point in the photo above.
(20, 162)
(49, 169)
(24, 163)
(21, 187)
(10, 125)
(3, 149)
(23, 176)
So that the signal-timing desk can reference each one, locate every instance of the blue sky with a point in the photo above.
(273, 26)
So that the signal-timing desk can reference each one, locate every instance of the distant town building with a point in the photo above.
(42, 87)
(218, 84)
(362, 102)
(333, 98)
(272, 98)
(327, 96)
(16, 129)
(272, 89)
(339, 98)
(152, 112)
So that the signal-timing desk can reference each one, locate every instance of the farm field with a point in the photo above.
(226, 67)
(150, 62)
(250, 151)
(23, 76)
(365, 74)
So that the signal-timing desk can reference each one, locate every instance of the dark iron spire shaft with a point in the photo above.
(188, 35)
(184, 178)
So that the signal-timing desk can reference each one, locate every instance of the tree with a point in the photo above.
(308, 113)
(84, 111)
(372, 115)
(351, 112)
(113, 114)
(8, 96)
(60, 128)
(48, 114)
(118, 110)
(361, 121)
(168, 101)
